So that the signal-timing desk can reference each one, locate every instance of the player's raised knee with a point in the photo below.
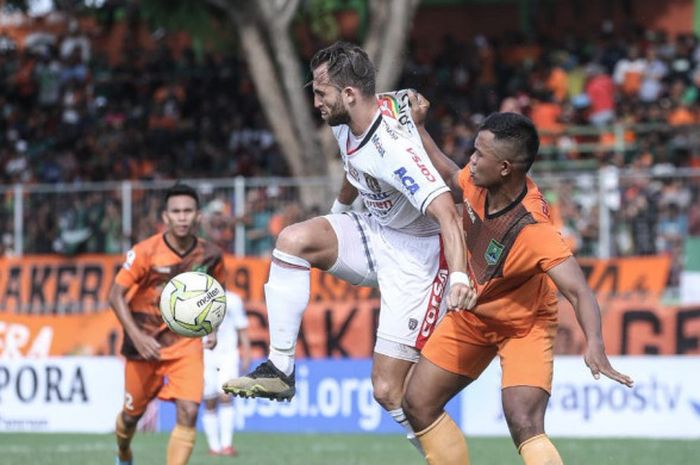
(309, 236)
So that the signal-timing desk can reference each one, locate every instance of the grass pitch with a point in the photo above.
(288, 449)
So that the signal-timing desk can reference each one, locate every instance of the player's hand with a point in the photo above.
(147, 346)
(461, 297)
(210, 340)
(419, 107)
(598, 363)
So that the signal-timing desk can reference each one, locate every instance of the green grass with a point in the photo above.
(269, 449)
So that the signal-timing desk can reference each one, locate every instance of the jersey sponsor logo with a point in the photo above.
(493, 252)
(392, 133)
(130, 257)
(379, 207)
(412, 324)
(372, 183)
(396, 107)
(378, 145)
(433, 313)
(375, 196)
(408, 182)
(419, 163)
(470, 210)
(389, 106)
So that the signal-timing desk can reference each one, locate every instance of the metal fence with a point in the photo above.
(605, 212)
(242, 214)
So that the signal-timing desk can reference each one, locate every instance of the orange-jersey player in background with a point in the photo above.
(153, 352)
(513, 251)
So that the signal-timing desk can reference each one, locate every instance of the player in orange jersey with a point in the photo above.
(512, 251)
(153, 352)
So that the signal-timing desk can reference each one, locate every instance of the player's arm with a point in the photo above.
(210, 340)
(462, 295)
(570, 281)
(147, 346)
(448, 169)
(346, 196)
(244, 348)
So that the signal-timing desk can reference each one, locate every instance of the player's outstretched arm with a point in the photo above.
(146, 345)
(461, 295)
(448, 169)
(569, 278)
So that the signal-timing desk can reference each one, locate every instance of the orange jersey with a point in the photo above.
(148, 267)
(509, 254)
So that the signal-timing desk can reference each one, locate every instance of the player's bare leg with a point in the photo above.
(424, 402)
(388, 380)
(300, 247)
(183, 435)
(125, 430)
(524, 408)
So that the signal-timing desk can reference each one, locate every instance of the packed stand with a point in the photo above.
(622, 98)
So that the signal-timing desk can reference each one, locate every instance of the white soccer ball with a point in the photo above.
(193, 304)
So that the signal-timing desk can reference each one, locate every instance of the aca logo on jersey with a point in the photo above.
(408, 182)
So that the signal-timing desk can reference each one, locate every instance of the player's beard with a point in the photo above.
(338, 114)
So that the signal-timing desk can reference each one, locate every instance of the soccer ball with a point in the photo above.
(193, 304)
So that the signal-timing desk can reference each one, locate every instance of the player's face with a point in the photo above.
(488, 161)
(328, 99)
(181, 215)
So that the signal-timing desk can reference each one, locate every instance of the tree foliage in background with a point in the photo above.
(264, 30)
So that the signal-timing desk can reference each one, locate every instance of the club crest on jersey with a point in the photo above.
(372, 183)
(493, 252)
(353, 172)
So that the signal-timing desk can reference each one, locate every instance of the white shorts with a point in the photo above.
(410, 271)
(219, 367)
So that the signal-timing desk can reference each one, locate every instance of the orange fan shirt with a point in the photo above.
(509, 253)
(149, 265)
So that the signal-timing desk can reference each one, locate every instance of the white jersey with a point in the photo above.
(235, 319)
(222, 362)
(391, 170)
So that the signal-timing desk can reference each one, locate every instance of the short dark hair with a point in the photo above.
(180, 189)
(348, 66)
(519, 131)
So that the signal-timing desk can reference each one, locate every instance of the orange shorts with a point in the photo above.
(180, 378)
(464, 344)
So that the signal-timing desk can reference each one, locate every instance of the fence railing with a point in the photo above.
(604, 212)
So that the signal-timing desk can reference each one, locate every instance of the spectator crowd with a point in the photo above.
(626, 97)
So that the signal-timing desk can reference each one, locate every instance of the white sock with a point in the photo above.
(210, 422)
(287, 295)
(400, 418)
(226, 424)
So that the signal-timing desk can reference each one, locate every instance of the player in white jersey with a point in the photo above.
(395, 245)
(220, 364)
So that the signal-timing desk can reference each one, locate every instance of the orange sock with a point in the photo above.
(444, 443)
(539, 450)
(124, 436)
(180, 445)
